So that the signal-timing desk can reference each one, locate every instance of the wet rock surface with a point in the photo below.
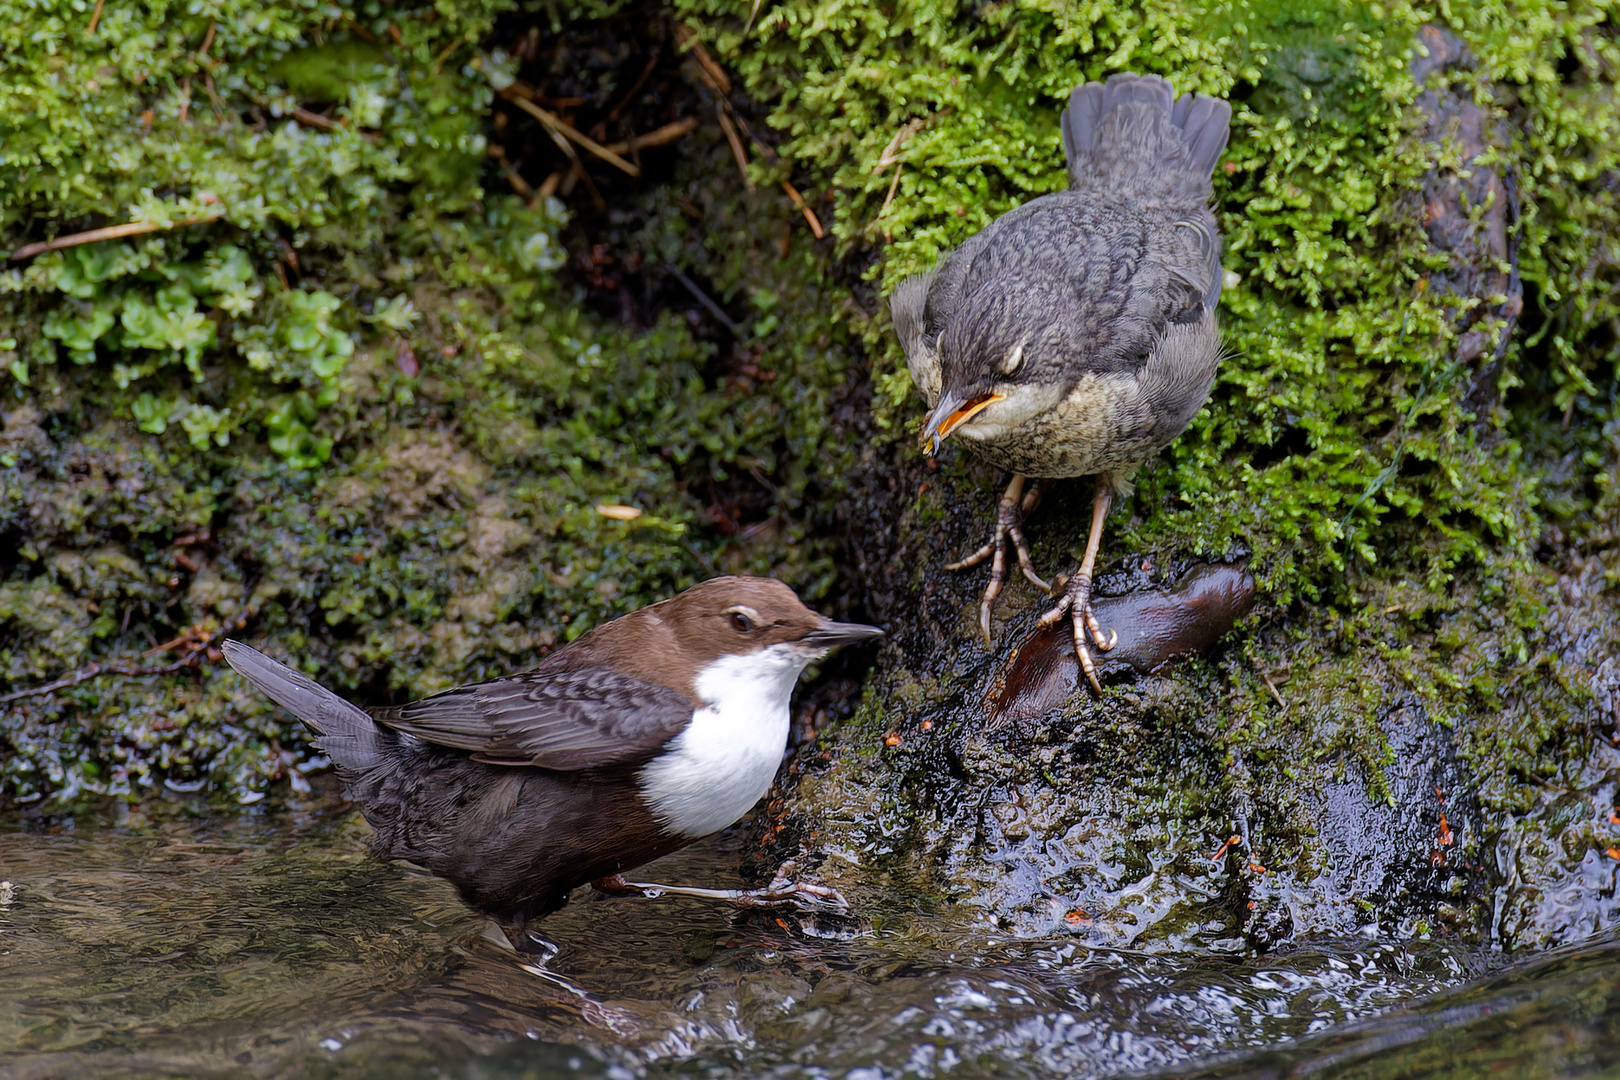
(162, 943)
(985, 783)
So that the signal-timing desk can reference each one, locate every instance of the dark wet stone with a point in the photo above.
(1156, 626)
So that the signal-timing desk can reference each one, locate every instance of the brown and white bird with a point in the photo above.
(1075, 335)
(645, 734)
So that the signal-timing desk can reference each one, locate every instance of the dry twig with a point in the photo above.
(558, 127)
(676, 129)
(737, 150)
(718, 80)
(198, 643)
(208, 41)
(804, 208)
(111, 232)
(95, 17)
(313, 119)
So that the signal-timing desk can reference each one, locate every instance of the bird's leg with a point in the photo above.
(1010, 511)
(1076, 599)
(783, 891)
(518, 938)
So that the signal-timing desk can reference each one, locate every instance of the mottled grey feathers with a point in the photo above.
(1094, 281)
(564, 720)
(347, 734)
(1131, 131)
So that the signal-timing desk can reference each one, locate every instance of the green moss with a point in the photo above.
(350, 410)
(246, 374)
(1391, 523)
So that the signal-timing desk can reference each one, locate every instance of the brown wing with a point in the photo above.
(568, 720)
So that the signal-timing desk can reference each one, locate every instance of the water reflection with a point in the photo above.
(271, 945)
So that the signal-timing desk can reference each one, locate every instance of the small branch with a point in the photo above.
(641, 80)
(360, 31)
(894, 185)
(657, 137)
(111, 232)
(449, 51)
(513, 177)
(715, 75)
(576, 168)
(891, 152)
(200, 642)
(558, 126)
(737, 150)
(313, 119)
(95, 17)
(208, 41)
(804, 207)
(94, 671)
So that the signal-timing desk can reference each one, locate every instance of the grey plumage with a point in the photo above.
(347, 734)
(1104, 294)
(1075, 335)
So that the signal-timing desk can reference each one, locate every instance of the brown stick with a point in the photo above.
(111, 232)
(894, 185)
(449, 51)
(560, 127)
(97, 669)
(548, 187)
(737, 150)
(208, 40)
(95, 17)
(804, 207)
(313, 119)
(716, 75)
(641, 80)
(203, 644)
(362, 32)
(513, 177)
(657, 137)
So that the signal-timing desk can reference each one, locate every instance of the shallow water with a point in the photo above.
(271, 945)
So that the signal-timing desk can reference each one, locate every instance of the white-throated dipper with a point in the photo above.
(647, 733)
(1075, 335)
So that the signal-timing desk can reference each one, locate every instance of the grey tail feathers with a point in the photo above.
(1130, 135)
(348, 735)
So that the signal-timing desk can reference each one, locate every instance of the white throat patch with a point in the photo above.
(713, 772)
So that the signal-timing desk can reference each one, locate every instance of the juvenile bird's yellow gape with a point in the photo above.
(1075, 336)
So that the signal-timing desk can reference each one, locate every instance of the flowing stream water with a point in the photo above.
(164, 943)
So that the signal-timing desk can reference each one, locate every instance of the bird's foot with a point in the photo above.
(519, 938)
(1076, 603)
(1010, 511)
(783, 892)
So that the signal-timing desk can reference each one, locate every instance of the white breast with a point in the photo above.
(714, 771)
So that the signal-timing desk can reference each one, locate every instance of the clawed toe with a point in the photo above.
(802, 895)
(1010, 511)
(1076, 604)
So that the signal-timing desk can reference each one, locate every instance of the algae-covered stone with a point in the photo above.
(365, 358)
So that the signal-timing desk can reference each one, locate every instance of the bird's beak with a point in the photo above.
(951, 413)
(830, 635)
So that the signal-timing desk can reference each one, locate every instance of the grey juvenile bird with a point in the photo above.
(647, 733)
(1075, 335)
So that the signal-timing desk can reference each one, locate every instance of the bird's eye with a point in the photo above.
(741, 623)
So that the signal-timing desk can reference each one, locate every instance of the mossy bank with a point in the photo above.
(377, 371)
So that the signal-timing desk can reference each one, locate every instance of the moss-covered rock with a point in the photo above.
(370, 353)
(333, 393)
